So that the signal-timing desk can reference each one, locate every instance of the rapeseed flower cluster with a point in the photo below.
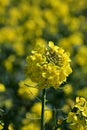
(49, 67)
(78, 117)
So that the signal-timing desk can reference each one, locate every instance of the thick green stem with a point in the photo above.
(42, 110)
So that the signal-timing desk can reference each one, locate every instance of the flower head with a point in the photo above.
(49, 67)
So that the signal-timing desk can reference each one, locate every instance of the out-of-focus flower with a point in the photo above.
(4, 3)
(2, 88)
(36, 110)
(1, 127)
(66, 108)
(30, 126)
(67, 89)
(82, 92)
(74, 40)
(50, 67)
(27, 89)
(8, 103)
(10, 127)
(8, 63)
(81, 57)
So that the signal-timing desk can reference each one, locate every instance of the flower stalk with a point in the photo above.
(42, 109)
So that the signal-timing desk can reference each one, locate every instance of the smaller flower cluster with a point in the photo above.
(48, 66)
(78, 117)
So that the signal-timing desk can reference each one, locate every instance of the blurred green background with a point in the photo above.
(23, 24)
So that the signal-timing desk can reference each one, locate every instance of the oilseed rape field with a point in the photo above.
(43, 64)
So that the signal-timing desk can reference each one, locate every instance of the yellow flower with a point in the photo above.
(82, 56)
(10, 127)
(36, 109)
(68, 89)
(8, 103)
(72, 117)
(29, 125)
(4, 3)
(80, 103)
(8, 63)
(84, 112)
(49, 67)
(2, 88)
(77, 119)
(82, 92)
(27, 89)
(1, 127)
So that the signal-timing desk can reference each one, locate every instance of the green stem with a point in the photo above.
(55, 119)
(42, 110)
(55, 116)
